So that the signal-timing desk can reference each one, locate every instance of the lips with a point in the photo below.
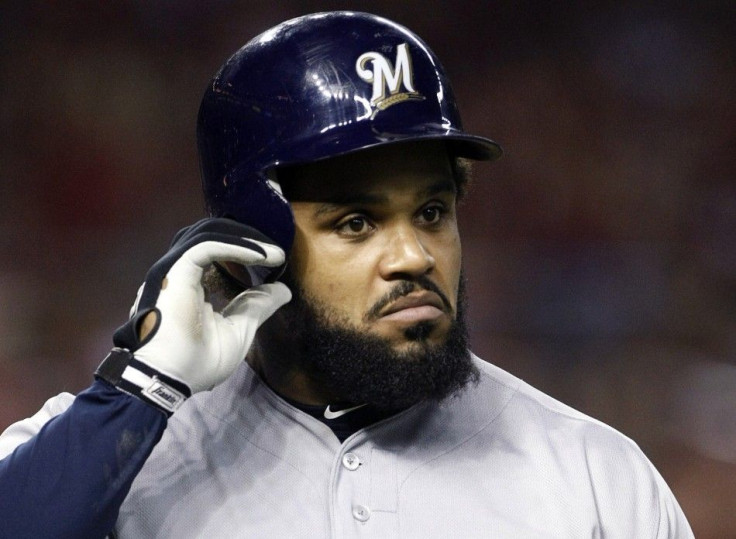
(416, 306)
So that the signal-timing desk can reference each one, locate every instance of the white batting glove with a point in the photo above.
(191, 347)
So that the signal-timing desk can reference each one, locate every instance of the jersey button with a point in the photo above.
(351, 461)
(361, 513)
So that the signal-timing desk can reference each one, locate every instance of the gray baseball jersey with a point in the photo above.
(501, 460)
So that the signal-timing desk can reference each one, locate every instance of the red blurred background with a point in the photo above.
(600, 251)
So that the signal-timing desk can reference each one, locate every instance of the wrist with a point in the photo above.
(121, 369)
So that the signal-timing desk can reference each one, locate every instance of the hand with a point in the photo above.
(175, 344)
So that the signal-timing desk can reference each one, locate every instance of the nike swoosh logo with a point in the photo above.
(329, 414)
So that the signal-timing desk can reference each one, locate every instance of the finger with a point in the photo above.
(212, 227)
(274, 254)
(240, 320)
(240, 250)
(134, 308)
(188, 270)
(257, 304)
(200, 245)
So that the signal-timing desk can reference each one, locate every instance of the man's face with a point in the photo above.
(376, 315)
(377, 244)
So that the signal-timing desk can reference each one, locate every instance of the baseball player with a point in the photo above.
(332, 157)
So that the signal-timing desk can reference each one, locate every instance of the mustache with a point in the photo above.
(404, 288)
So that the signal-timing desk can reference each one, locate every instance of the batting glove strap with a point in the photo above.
(121, 369)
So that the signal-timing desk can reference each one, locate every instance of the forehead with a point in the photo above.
(382, 170)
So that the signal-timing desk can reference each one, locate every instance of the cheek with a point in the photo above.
(449, 261)
(336, 278)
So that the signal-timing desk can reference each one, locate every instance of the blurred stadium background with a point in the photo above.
(600, 251)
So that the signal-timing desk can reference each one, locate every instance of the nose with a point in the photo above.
(406, 255)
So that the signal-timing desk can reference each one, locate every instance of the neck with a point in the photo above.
(277, 361)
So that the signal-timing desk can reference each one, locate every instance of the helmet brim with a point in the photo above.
(459, 144)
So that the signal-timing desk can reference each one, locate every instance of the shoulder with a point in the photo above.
(24, 430)
(530, 406)
(537, 419)
(592, 458)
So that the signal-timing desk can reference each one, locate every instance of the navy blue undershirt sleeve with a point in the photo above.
(72, 477)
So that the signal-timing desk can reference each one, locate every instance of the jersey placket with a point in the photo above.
(364, 502)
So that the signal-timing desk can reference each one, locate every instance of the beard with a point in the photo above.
(358, 367)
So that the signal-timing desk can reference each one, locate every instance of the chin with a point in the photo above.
(416, 337)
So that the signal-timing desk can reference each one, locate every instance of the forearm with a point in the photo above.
(72, 477)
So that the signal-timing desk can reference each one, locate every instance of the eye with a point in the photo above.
(432, 214)
(354, 225)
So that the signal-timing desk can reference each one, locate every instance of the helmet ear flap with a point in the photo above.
(254, 199)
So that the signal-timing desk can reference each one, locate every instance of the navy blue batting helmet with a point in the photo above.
(316, 87)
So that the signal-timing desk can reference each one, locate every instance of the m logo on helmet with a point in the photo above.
(375, 68)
